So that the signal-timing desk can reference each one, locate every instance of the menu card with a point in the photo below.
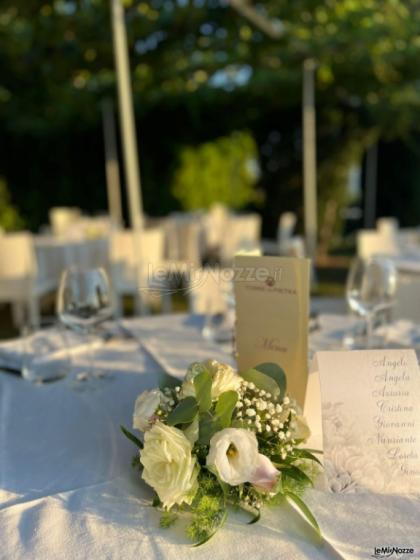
(272, 309)
(371, 420)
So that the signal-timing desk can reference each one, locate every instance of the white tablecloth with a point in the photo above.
(67, 490)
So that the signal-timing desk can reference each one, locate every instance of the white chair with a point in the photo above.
(63, 219)
(208, 290)
(134, 259)
(184, 237)
(286, 227)
(215, 226)
(407, 298)
(20, 283)
(387, 225)
(371, 243)
(290, 245)
(242, 234)
(409, 238)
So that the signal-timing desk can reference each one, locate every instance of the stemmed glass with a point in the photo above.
(83, 302)
(371, 286)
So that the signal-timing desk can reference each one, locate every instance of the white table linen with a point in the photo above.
(67, 490)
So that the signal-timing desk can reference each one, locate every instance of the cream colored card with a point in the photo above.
(370, 420)
(272, 308)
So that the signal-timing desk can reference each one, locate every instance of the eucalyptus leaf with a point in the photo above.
(275, 372)
(208, 426)
(183, 413)
(202, 385)
(132, 437)
(225, 407)
(262, 381)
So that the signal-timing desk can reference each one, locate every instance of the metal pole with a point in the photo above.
(111, 162)
(127, 119)
(309, 156)
(370, 186)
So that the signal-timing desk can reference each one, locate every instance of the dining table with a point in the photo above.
(68, 490)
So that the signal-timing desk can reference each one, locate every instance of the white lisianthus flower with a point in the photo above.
(169, 466)
(234, 454)
(224, 378)
(145, 408)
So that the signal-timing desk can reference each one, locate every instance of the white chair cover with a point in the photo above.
(209, 289)
(242, 234)
(371, 243)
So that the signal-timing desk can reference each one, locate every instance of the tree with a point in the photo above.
(200, 72)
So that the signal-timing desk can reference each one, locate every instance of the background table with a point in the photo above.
(67, 490)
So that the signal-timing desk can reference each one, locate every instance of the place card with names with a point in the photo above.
(272, 309)
(371, 420)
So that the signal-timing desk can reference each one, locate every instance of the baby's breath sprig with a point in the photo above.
(268, 416)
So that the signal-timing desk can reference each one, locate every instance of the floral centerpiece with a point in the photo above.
(221, 439)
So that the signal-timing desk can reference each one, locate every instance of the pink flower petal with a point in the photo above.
(265, 476)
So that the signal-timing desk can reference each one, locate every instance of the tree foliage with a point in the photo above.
(200, 71)
(224, 171)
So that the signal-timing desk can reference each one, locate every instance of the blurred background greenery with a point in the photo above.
(218, 104)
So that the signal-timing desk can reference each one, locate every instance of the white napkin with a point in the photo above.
(174, 356)
(402, 332)
(46, 345)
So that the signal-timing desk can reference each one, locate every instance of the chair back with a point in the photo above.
(286, 227)
(242, 234)
(209, 290)
(130, 250)
(371, 243)
(407, 300)
(184, 239)
(17, 256)
(62, 219)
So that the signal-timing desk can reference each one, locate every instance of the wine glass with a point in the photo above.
(371, 286)
(83, 302)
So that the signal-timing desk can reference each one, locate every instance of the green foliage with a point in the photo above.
(225, 407)
(276, 373)
(10, 220)
(225, 170)
(132, 437)
(202, 385)
(199, 72)
(208, 509)
(167, 519)
(262, 381)
(183, 413)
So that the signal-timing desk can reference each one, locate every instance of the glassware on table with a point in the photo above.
(44, 355)
(83, 302)
(371, 287)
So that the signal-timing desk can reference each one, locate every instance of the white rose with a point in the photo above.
(224, 378)
(145, 408)
(169, 467)
(234, 454)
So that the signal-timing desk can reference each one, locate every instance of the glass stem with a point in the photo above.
(369, 329)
